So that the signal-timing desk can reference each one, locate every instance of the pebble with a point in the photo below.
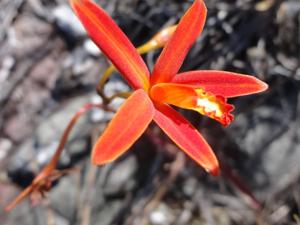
(5, 146)
(120, 178)
(162, 215)
(91, 48)
(7, 64)
(67, 22)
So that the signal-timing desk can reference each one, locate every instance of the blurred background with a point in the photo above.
(49, 68)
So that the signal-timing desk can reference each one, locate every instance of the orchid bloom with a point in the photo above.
(203, 91)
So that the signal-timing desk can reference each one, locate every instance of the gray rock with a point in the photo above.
(5, 146)
(68, 22)
(63, 198)
(54, 126)
(120, 178)
(7, 65)
(97, 115)
(91, 48)
(40, 149)
(26, 214)
(114, 86)
(189, 186)
(268, 138)
(106, 214)
(162, 215)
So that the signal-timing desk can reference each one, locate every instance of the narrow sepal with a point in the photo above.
(226, 84)
(172, 56)
(124, 129)
(186, 137)
(113, 42)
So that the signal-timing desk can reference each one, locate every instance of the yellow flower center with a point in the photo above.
(213, 106)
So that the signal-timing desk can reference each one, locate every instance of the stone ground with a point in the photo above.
(49, 69)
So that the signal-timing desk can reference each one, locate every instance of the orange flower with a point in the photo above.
(203, 91)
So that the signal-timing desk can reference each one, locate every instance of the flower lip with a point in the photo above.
(214, 106)
(197, 99)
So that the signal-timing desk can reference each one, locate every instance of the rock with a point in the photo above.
(46, 79)
(29, 99)
(52, 128)
(63, 197)
(162, 215)
(97, 115)
(40, 149)
(189, 186)
(106, 214)
(77, 146)
(14, 128)
(29, 38)
(81, 62)
(6, 66)
(5, 147)
(269, 142)
(115, 86)
(59, 219)
(121, 177)
(17, 216)
(68, 23)
(91, 48)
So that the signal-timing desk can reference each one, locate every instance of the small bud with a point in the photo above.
(158, 40)
(162, 37)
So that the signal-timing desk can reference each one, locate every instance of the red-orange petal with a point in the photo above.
(223, 83)
(172, 56)
(189, 97)
(126, 127)
(186, 137)
(113, 42)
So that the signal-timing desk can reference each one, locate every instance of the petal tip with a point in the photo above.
(215, 171)
(260, 86)
(100, 159)
(95, 161)
(172, 56)
(264, 86)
